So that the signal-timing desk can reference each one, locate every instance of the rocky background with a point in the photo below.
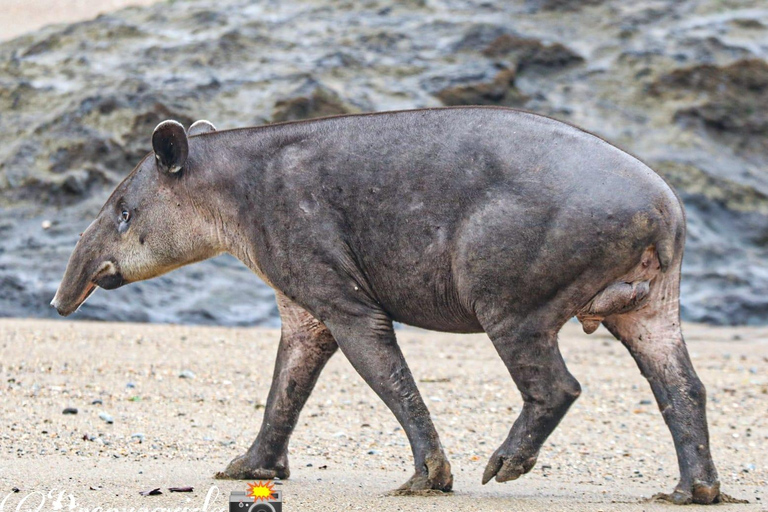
(682, 84)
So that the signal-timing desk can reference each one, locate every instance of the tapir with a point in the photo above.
(464, 220)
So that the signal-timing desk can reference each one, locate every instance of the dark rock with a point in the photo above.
(69, 410)
(500, 91)
(730, 99)
(749, 23)
(11, 283)
(479, 36)
(562, 5)
(531, 53)
(320, 102)
(77, 182)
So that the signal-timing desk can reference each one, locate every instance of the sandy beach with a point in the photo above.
(185, 400)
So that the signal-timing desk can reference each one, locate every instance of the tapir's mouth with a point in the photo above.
(110, 281)
(107, 276)
(90, 287)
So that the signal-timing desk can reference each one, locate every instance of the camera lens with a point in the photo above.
(261, 507)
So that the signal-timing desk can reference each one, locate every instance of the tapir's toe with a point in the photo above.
(246, 467)
(700, 493)
(704, 493)
(435, 477)
(506, 468)
(677, 497)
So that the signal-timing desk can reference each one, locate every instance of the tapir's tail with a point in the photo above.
(661, 260)
(671, 240)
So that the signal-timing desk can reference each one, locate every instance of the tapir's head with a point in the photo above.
(150, 225)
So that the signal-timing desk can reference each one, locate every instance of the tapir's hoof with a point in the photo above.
(245, 467)
(434, 478)
(700, 493)
(506, 468)
(705, 494)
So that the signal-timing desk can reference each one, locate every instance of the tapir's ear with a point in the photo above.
(201, 126)
(169, 141)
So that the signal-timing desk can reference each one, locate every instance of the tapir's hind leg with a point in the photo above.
(305, 346)
(653, 336)
(533, 358)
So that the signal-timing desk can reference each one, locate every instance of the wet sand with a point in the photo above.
(21, 16)
(610, 453)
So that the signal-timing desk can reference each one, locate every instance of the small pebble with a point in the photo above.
(138, 436)
(130, 385)
(187, 374)
(46, 224)
(98, 401)
(106, 417)
(69, 410)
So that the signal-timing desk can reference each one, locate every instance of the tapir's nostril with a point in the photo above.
(55, 304)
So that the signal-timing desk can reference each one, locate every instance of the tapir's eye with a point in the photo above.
(125, 215)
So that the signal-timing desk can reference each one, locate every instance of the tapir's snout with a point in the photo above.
(65, 306)
(81, 281)
(74, 290)
(87, 270)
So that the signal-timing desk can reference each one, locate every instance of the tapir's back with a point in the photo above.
(443, 160)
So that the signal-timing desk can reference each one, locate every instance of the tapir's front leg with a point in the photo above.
(305, 346)
(367, 339)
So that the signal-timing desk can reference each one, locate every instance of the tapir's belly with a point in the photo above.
(433, 312)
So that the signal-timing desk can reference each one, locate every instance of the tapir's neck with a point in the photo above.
(230, 191)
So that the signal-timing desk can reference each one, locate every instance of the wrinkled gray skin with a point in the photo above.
(459, 220)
